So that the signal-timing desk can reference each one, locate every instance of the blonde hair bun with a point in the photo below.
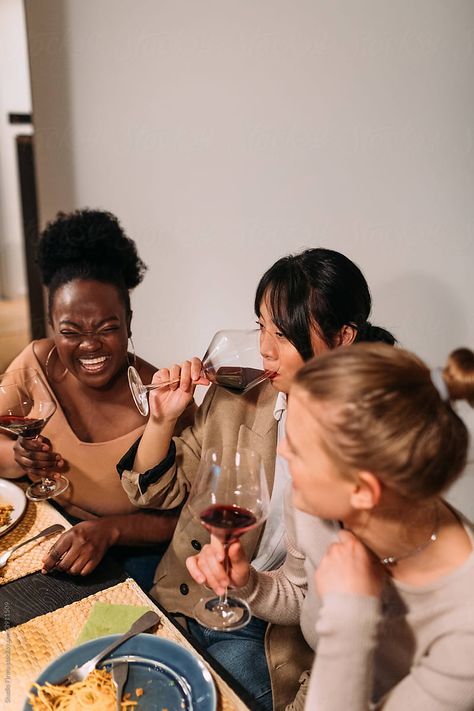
(459, 375)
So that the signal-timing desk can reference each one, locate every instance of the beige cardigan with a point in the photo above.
(223, 419)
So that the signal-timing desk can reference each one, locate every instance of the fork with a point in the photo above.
(119, 677)
(57, 528)
(143, 623)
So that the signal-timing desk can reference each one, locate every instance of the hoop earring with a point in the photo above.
(46, 366)
(131, 357)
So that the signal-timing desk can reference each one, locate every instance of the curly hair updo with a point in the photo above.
(88, 244)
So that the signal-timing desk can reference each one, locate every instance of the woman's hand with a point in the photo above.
(79, 550)
(349, 567)
(208, 567)
(170, 402)
(36, 457)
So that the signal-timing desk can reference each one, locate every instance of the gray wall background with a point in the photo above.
(226, 134)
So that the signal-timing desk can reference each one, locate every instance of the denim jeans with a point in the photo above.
(242, 654)
(140, 562)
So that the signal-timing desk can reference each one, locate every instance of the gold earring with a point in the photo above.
(131, 357)
(46, 366)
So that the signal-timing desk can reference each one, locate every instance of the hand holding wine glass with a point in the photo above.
(229, 497)
(172, 389)
(208, 566)
(26, 405)
(37, 457)
(232, 361)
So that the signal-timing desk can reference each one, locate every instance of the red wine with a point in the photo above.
(227, 522)
(237, 378)
(25, 426)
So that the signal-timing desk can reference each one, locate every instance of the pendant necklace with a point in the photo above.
(392, 560)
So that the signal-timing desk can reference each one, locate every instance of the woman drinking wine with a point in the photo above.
(306, 304)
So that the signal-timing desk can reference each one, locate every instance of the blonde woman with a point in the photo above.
(380, 568)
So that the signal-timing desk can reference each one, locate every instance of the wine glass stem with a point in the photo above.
(47, 484)
(223, 598)
(157, 386)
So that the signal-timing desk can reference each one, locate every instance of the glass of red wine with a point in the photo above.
(25, 407)
(232, 360)
(229, 497)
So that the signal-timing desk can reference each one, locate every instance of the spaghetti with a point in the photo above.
(96, 693)
(5, 514)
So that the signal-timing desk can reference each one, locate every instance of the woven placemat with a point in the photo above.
(29, 558)
(25, 650)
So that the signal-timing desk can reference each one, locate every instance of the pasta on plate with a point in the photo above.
(5, 514)
(96, 693)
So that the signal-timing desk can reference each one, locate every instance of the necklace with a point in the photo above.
(392, 560)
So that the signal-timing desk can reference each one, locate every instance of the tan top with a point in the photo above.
(94, 488)
(412, 650)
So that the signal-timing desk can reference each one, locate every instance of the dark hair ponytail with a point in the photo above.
(367, 333)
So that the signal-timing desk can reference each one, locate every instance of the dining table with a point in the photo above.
(42, 615)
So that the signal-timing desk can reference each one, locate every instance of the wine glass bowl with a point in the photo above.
(229, 497)
(232, 361)
(26, 405)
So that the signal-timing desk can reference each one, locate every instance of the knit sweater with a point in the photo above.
(412, 650)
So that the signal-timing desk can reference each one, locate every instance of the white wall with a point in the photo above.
(15, 97)
(226, 134)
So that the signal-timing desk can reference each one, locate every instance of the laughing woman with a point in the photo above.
(89, 265)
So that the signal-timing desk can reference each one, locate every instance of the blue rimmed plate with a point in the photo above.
(171, 677)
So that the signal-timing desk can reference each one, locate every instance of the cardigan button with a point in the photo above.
(184, 589)
(196, 545)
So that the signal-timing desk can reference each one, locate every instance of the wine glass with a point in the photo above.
(229, 497)
(232, 360)
(25, 407)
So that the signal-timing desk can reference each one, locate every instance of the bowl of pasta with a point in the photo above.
(162, 676)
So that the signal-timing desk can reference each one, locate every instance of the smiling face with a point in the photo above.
(91, 330)
(278, 353)
(319, 488)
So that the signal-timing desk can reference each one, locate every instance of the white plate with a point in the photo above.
(12, 494)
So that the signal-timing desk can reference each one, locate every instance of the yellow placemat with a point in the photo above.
(29, 558)
(27, 649)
